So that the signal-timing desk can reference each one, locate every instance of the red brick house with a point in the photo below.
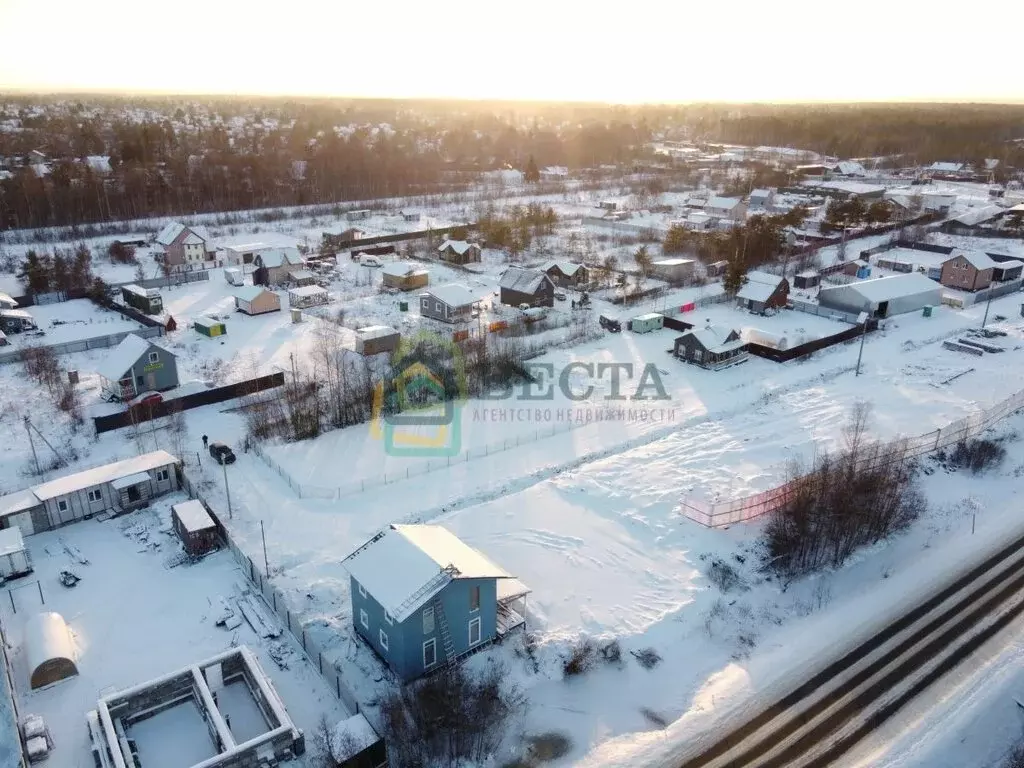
(967, 271)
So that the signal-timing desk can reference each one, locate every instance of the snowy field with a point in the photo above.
(720, 434)
(134, 618)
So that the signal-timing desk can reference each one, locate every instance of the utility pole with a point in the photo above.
(31, 442)
(227, 491)
(864, 332)
(988, 306)
(266, 563)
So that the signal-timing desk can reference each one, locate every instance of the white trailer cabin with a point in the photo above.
(14, 558)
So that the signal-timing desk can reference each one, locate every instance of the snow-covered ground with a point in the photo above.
(586, 513)
(133, 617)
(601, 539)
(72, 321)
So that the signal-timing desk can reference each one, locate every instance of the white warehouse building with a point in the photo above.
(883, 296)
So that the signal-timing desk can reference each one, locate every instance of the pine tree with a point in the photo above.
(531, 174)
(35, 273)
(676, 240)
(735, 277)
(61, 273)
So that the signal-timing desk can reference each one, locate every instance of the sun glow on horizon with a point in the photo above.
(560, 50)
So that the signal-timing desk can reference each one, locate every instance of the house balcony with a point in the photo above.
(509, 620)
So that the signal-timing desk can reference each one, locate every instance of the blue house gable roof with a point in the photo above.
(422, 598)
(405, 566)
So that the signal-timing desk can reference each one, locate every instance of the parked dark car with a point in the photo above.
(610, 324)
(222, 453)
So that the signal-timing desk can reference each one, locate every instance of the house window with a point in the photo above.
(364, 619)
(162, 476)
(474, 631)
(428, 620)
(429, 653)
(62, 506)
(437, 306)
(474, 598)
(388, 618)
(95, 496)
(362, 591)
(383, 640)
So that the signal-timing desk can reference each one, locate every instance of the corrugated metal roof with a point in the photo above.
(169, 232)
(523, 280)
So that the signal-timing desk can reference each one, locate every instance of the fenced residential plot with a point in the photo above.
(147, 412)
(84, 345)
(313, 491)
(716, 515)
(177, 278)
(274, 599)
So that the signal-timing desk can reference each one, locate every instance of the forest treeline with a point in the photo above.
(182, 157)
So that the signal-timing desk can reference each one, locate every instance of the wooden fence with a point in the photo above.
(719, 514)
(147, 412)
(335, 241)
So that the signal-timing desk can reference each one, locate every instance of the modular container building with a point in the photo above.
(14, 558)
(647, 323)
(146, 300)
(210, 327)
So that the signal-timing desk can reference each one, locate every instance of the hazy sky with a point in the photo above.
(622, 51)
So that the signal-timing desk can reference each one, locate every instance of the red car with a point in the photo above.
(146, 398)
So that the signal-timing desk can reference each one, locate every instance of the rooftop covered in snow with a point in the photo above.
(759, 286)
(11, 541)
(376, 331)
(250, 292)
(90, 478)
(117, 363)
(523, 280)
(193, 515)
(453, 294)
(404, 566)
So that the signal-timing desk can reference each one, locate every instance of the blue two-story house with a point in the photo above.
(422, 598)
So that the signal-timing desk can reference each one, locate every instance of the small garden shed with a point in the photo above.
(652, 321)
(809, 278)
(210, 327)
(375, 339)
(256, 300)
(194, 527)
